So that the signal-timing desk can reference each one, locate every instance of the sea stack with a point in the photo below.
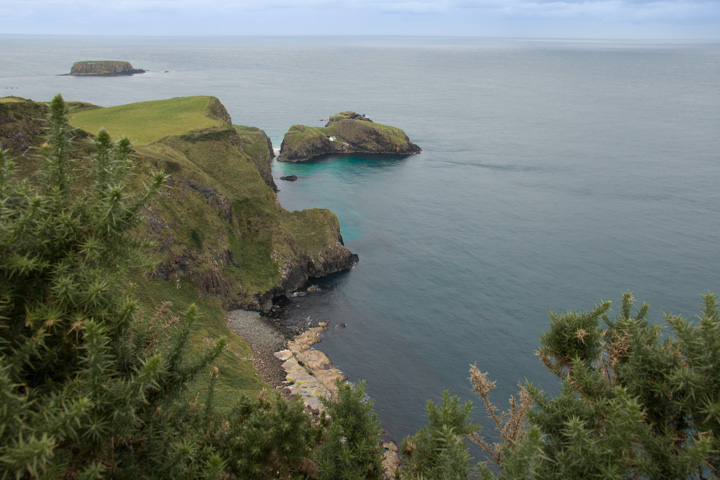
(345, 133)
(103, 68)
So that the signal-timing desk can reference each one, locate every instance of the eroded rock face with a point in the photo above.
(104, 68)
(344, 133)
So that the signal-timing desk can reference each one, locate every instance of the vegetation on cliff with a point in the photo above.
(220, 182)
(345, 133)
(221, 238)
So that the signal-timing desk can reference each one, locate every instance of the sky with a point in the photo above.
(627, 19)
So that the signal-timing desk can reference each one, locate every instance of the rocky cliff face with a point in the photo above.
(345, 133)
(104, 68)
(21, 124)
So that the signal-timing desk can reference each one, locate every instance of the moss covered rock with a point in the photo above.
(345, 133)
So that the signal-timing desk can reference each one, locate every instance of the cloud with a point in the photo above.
(434, 17)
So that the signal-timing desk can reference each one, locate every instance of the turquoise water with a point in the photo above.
(553, 175)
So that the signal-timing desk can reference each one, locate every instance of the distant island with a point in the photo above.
(103, 68)
(346, 132)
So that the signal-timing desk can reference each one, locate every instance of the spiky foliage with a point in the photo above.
(351, 449)
(438, 450)
(86, 385)
(634, 403)
(510, 424)
(267, 437)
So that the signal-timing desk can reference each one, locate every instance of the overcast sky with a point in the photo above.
(693, 19)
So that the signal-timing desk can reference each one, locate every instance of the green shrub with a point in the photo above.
(88, 388)
(351, 447)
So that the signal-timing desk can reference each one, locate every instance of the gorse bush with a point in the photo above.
(437, 451)
(351, 448)
(634, 403)
(86, 385)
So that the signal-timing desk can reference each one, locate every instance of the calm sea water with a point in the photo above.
(554, 174)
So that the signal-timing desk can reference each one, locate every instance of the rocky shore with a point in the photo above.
(293, 365)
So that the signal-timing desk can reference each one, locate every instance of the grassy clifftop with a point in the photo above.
(147, 122)
(346, 132)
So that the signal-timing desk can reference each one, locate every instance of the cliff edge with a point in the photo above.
(103, 68)
(345, 133)
(218, 226)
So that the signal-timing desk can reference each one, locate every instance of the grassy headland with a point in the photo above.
(222, 239)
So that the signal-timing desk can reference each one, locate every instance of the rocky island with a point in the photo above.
(345, 133)
(103, 68)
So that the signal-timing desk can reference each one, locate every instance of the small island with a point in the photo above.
(345, 133)
(103, 68)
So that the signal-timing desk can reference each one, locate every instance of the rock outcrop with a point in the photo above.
(309, 373)
(344, 133)
(103, 68)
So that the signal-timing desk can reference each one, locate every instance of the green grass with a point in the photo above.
(311, 228)
(147, 122)
(77, 107)
(343, 129)
(11, 100)
(101, 61)
(237, 374)
(254, 144)
(393, 133)
(299, 133)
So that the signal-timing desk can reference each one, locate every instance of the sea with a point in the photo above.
(555, 174)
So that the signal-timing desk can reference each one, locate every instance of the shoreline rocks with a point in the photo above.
(309, 373)
(298, 368)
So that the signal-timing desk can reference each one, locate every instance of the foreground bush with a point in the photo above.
(635, 402)
(86, 384)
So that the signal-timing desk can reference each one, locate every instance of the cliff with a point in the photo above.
(344, 133)
(103, 68)
(218, 227)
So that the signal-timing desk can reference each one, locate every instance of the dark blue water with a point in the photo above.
(554, 175)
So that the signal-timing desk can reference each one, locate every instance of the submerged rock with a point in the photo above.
(345, 133)
(289, 178)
